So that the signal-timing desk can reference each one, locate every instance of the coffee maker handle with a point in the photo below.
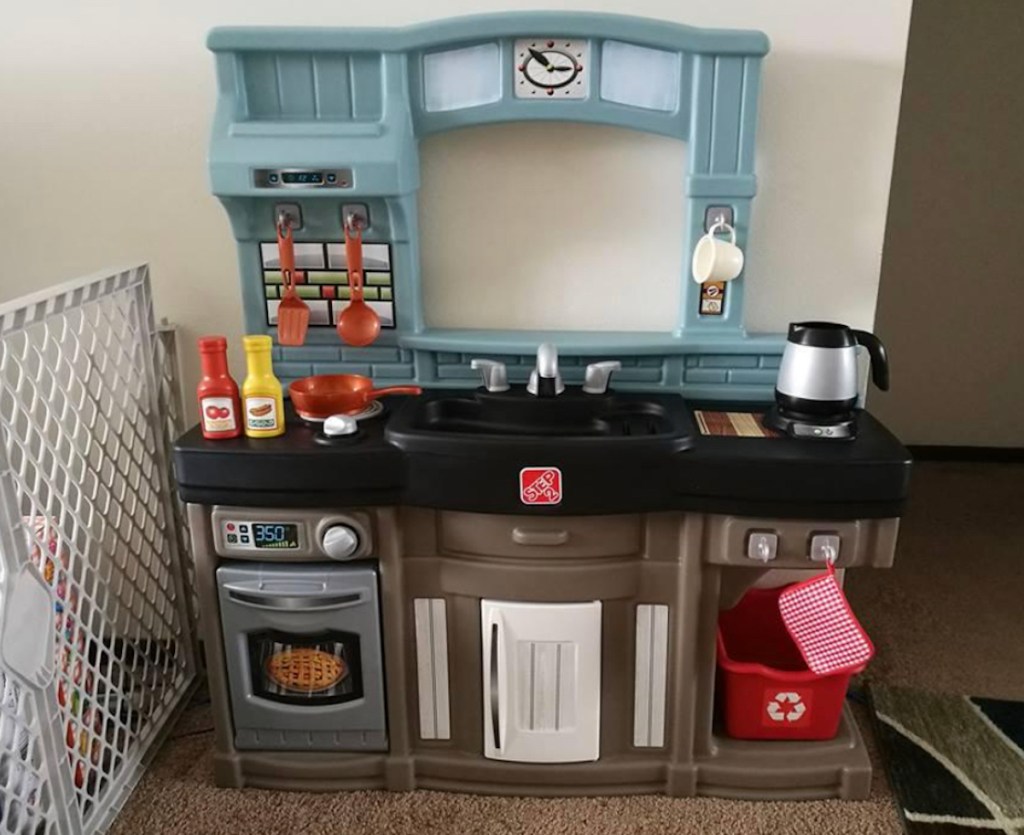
(879, 358)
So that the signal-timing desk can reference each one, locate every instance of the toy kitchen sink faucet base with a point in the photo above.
(510, 583)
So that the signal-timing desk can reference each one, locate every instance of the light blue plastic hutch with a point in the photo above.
(323, 119)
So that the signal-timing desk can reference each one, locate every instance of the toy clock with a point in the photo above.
(551, 67)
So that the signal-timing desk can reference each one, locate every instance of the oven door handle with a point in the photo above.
(296, 602)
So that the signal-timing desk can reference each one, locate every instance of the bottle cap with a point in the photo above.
(257, 343)
(212, 344)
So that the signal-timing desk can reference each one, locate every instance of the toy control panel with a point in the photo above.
(242, 533)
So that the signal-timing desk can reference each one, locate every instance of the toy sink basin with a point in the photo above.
(441, 418)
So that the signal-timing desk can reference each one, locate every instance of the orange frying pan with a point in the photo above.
(323, 395)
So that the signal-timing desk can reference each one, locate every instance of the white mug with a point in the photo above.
(715, 259)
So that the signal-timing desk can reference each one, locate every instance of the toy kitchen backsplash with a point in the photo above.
(318, 125)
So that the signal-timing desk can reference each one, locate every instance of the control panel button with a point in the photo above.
(762, 546)
(340, 542)
(824, 547)
(337, 426)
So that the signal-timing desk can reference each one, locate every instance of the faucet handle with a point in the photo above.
(597, 375)
(494, 374)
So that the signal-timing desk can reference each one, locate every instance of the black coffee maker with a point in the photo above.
(817, 387)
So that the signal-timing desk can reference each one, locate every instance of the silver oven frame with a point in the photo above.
(304, 600)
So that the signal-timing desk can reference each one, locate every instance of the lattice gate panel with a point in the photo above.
(84, 438)
(172, 409)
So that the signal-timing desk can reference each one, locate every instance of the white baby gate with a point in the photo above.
(97, 645)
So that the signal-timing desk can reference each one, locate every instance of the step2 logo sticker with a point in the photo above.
(540, 485)
(791, 708)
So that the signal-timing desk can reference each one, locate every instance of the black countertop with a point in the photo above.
(779, 477)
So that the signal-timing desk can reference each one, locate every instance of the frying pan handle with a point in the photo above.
(373, 394)
(354, 259)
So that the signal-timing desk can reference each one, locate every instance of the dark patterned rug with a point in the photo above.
(956, 763)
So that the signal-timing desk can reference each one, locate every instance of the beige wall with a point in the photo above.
(106, 108)
(951, 308)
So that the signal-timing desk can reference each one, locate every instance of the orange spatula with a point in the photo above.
(293, 312)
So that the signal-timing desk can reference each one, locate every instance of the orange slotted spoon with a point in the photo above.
(358, 323)
(293, 312)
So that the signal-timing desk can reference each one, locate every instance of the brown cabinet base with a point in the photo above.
(693, 564)
(744, 770)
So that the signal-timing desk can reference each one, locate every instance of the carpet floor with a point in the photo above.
(955, 763)
(947, 617)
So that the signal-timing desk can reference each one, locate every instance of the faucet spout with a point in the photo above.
(545, 380)
(547, 360)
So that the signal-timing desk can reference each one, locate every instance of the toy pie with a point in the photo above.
(305, 669)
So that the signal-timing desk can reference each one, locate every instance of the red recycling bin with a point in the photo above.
(767, 691)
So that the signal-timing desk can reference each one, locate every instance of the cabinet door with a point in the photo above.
(542, 681)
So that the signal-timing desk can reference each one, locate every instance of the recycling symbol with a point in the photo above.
(777, 707)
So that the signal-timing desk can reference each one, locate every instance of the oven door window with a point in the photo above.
(320, 669)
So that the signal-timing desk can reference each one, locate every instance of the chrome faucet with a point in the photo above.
(494, 373)
(598, 374)
(545, 379)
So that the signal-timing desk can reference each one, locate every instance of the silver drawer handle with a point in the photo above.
(523, 536)
(295, 603)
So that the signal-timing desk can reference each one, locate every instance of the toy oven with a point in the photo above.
(303, 653)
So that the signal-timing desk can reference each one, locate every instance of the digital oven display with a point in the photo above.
(303, 178)
(275, 535)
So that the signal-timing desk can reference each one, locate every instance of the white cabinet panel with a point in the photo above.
(651, 679)
(542, 681)
(430, 618)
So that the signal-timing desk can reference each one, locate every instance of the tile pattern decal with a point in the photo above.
(322, 280)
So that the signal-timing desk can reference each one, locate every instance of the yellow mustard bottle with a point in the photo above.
(262, 400)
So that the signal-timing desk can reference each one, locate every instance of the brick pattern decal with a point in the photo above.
(705, 376)
(322, 281)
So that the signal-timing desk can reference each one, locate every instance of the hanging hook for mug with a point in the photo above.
(722, 226)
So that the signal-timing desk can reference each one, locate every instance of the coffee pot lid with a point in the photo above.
(821, 334)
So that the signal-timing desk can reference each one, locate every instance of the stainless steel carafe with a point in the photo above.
(818, 375)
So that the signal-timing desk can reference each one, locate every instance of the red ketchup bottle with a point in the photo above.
(220, 408)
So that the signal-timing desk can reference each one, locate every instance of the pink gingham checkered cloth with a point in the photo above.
(824, 628)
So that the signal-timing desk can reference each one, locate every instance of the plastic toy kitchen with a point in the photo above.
(547, 563)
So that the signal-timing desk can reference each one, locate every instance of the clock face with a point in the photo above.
(551, 68)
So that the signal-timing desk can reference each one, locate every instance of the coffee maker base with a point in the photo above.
(841, 427)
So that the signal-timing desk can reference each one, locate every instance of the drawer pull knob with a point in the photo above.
(522, 536)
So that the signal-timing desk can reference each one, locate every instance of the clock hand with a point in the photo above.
(563, 69)
(540, 58)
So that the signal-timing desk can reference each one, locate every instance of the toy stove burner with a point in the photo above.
(374, 409)
(838, 427)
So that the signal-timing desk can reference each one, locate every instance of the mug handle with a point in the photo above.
(723, 226)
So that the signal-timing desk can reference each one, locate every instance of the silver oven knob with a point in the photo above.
(340, 542)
